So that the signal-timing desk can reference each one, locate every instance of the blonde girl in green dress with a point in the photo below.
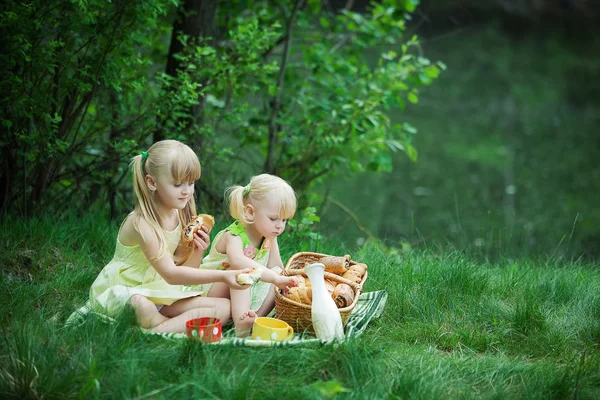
(152, 269)
(261, 210)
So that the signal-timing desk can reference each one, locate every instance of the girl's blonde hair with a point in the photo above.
(261, 187)
(163, 158)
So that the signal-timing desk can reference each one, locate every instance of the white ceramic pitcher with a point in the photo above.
(326, 317)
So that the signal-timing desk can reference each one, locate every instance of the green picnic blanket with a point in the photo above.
(369, 305)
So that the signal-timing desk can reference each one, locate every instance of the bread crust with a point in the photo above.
(300, 294)
(343, 295)
(187, 234)
(336, 265)
(353, 276)
(248, 278)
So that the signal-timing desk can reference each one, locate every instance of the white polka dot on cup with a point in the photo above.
(273, 335)
(215, 330)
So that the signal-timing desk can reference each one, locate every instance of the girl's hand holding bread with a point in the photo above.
(286, 282)
(200, 220)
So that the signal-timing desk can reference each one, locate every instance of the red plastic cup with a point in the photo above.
(207, 329)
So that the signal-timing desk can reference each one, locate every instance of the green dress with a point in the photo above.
(128, 273)
(216, 260)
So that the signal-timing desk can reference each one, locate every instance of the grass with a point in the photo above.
(453, 327)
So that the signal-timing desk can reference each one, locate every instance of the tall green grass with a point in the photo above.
(453, 327)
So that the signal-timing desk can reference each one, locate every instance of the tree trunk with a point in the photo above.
(6, 174)
(196, 19)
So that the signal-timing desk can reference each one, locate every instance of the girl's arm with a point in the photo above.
(181, 275)
(281, 281)
(275, 256)
(233, 248)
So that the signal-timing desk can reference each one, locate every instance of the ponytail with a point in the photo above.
(145, 207)
(235, 197)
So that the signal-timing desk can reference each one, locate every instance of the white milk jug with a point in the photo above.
(326, 317)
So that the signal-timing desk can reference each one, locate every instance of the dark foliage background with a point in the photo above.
(462, 123)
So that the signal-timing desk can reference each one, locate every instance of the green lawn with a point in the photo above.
(453, 327)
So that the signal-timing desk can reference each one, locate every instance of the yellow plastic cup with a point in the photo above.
(272, 329)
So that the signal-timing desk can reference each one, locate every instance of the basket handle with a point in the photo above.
(294, 272)
(348, 282)
(327, 275)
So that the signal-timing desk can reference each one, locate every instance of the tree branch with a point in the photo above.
(353, 216)
(275, 101)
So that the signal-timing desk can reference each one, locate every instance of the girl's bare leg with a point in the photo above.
(145, 311)
(213, 306)
(267, 305)
(150, 318)
(220, 290)
(177, 324)
(243, 317)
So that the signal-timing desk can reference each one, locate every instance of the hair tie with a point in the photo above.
(246, 191)
(144, 155)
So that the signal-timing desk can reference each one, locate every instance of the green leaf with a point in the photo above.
(213, 101)
(409, 128)
(411, 152)
(412, 97)
(315, 6)
(432, 71)
(330, 388)
(390, 55)
(423, 61)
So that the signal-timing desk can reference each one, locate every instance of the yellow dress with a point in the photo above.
(128, 273)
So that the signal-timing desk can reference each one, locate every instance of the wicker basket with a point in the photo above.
(298, 315)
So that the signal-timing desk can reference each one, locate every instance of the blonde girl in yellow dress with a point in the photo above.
(261, 210)
(152, 269)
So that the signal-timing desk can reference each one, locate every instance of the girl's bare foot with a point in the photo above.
(244, 325)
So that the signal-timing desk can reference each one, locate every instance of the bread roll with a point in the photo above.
(250, 277)
(353, 276)
(343, 295)
(336, 265)
(359, 268)
(301, 280)
(187, 234)
(330, 285)
(300, 294)
(292, 294)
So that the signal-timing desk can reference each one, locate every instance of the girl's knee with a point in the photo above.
(223, 303)
(137, 301)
